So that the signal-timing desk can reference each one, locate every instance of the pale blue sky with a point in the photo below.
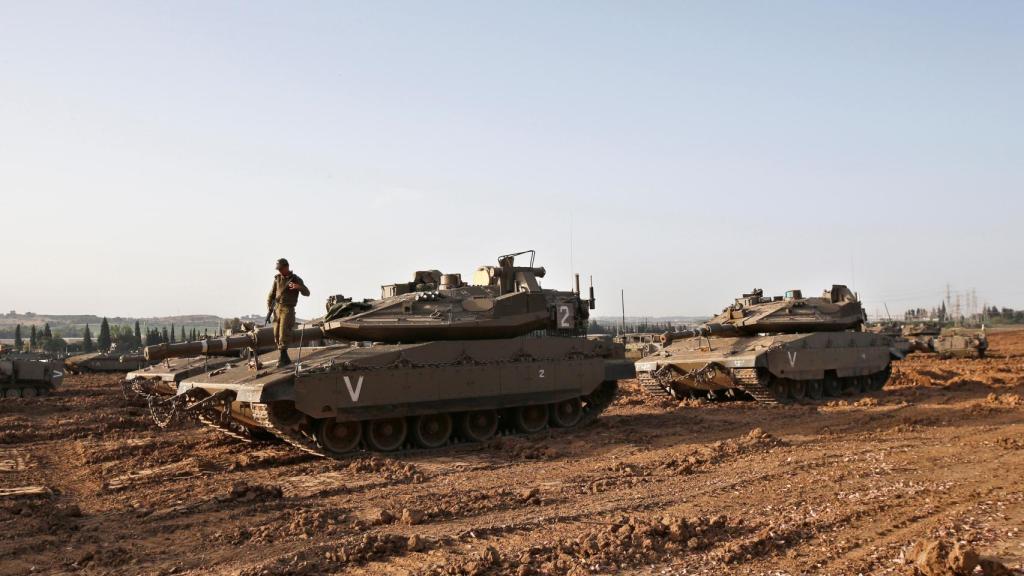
(157, 157)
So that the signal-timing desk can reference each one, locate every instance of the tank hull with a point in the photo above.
(779, 367)
(507, 381)
(100, 362)
(27, 377)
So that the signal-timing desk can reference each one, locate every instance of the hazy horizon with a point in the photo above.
(156, 159)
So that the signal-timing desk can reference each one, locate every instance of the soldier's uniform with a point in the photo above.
(283, 300)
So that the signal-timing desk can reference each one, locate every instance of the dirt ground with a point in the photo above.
(653, 487)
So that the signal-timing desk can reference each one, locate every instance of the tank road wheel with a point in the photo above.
(431, 430)
(815, 389)
(852, 386)
(779, 389)
(12, 393)
(479, 425)
(529, 419)
(386, 434)
(29, 392)
(338, 437)
(567, 413)
(879, 379)
(831, 385)
(797, 389)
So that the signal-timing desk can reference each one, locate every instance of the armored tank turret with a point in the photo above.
(431, 360)
(773, 349)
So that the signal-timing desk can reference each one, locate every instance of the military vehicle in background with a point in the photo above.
(931, 338)
(773, 349)
(27, 375)
(639, 344)
(431, 360)
(960, 343)
(112, 361)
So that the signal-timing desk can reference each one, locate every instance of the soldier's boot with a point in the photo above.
(284, 360)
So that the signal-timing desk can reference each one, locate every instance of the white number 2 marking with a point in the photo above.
(540, 373)
(354, 393)
(564, 315)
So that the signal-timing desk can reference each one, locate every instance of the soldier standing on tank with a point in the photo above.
(283, 297)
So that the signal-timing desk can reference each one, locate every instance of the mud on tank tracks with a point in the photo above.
(886, 484)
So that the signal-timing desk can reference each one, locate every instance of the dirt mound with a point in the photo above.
(942, 558)
(628, 541)
(330, 559)
(388, 469)
(1012, 400)
(245, 492)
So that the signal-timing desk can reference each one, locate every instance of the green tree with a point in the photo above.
(103, 341)
(138, 334)
(165, 337)
(183, 339)
(47, 334)
(172, 334)
(33, 339)
(18, 343)
(87, 345)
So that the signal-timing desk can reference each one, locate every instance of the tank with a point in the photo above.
(960, 343)
(113, 361)
(431, 361)
(773, 349)
(930, 338)
(639, 344)
(29, 375)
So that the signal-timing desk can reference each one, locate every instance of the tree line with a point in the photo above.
(120, 337)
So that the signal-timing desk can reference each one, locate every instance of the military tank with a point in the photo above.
(26, 375)
(930, 338)
(432, 360)
(112, 361)
(960, 343)
(773, 349)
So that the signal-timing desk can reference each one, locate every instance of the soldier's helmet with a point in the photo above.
(281, 263)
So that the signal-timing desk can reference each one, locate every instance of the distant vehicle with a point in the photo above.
(773, 349)
(27, 375)
(112, 361)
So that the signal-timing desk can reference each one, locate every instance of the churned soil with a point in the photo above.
(924, 477)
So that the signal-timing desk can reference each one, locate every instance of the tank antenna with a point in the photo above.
(622, 297)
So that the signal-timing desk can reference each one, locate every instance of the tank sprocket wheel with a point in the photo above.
(431, 430)
(337, 438)
(12, 393)
(28, 392)
(385, 434)
(566, 414)
(530, 419)
(815, 389)
(478, 425)
(797, 389)
(831, 385)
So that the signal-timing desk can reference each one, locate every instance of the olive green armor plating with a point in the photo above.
(432, 361)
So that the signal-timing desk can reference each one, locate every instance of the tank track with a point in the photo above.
(748, 380)
(753, 383)
(594, 404)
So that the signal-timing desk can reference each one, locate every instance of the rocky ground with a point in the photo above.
(917, 477)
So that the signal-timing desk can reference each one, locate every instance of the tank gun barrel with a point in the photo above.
(256, 339)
